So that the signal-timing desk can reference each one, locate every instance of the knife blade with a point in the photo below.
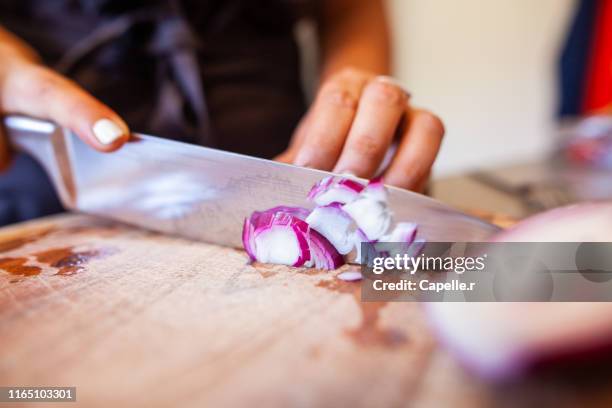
(196, 192)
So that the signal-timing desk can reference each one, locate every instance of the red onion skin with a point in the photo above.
(352, 185)
(330, 184)
(247, 234)
(323, 253)
(574, 342)
(261, 221)
(584, 222)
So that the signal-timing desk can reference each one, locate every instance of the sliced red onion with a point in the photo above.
(347, 215)
(376, 190)
(335, 225)
(323, 253)
(403, 232)
(248, 232)
(277, 236)
(359, 237)
(417, 246)
(370, 210)
(331, 190)
(584, 222)
(504, 340)
(350, 276)
(372, 216)
(299, 212)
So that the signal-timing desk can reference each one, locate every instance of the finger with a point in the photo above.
(40, 92)
(378, 116)
(421, 186)
(331, 117)
(417, 151)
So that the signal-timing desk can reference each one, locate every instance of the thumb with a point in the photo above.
(38, 91)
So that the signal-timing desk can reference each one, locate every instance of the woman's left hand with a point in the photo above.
(353, 122)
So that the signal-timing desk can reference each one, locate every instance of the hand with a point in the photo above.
(353, 123)
(31, 89)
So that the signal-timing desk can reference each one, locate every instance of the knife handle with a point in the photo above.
(47, 144)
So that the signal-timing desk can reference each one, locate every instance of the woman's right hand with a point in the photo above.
(29, 88)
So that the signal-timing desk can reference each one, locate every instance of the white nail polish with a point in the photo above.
(107, 131)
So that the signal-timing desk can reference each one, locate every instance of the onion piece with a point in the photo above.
(350, 276)
(277, 236)
(371, 216)
(299, 212)
(330, 190)
(335, 225)
(347, 215)
(370, 210)
(405, 236)
(506, 340)
(323, 253)
(403, 232)
(376, 190)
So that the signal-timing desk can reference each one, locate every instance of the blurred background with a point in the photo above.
(489, 69)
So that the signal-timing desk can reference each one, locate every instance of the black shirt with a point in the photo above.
(222, 73)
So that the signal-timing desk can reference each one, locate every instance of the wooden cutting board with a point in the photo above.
(133, 318)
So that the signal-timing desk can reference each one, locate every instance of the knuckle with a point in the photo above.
(432, 123)
(46, 83)
(387, 93)
(335, 95)
(367, 146)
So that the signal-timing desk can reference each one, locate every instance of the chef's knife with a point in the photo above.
(197, 192)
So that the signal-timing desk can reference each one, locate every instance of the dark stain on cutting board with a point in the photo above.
(265, 270)
(68, 261)
(18, 242)
(17, 266)
(368, 333)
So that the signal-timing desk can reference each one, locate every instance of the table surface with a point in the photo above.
(465, 192)
(134, 318)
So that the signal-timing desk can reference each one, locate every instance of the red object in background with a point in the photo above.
(599, 75)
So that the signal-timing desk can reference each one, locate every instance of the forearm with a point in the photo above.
(354, 33)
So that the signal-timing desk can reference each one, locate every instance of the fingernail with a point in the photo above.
(107, 131)
(392, 81)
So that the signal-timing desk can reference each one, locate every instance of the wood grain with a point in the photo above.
(133, 318)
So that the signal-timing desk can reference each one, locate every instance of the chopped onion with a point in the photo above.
(404, 235)
(350, 276)
(403, 232)
(346, 215)
(329, 190)
(324, 255)
(334, 224)
(299, 212)
(376, 190)
(370, 210)
(277, 236)
(371, 216)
